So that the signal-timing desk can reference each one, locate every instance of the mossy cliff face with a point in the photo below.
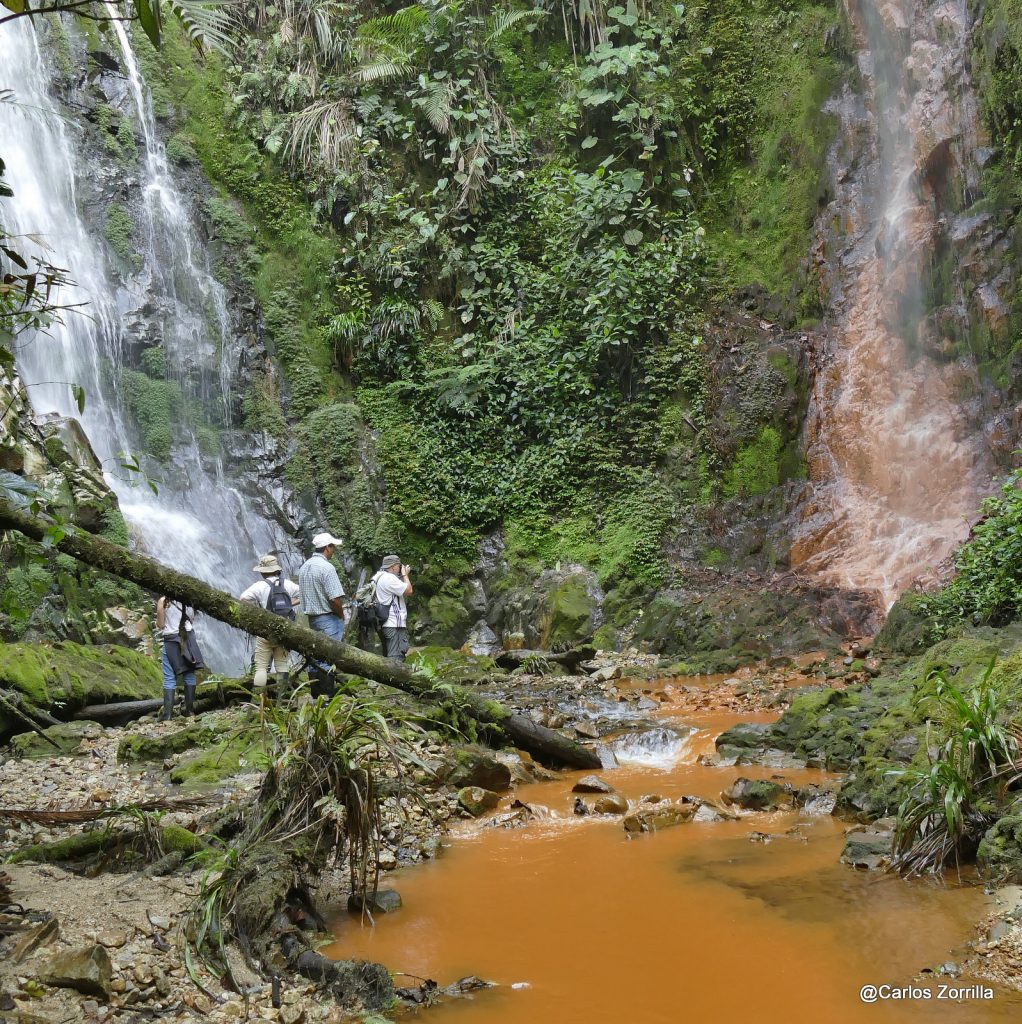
(381, 402)
(43, 594)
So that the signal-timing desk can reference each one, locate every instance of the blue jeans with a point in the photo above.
(169, 679)
(329, 625)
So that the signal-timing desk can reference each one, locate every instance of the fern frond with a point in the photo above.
(501, 22)
(437, 106)
(380, 71)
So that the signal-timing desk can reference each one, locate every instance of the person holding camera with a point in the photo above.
(393, 585)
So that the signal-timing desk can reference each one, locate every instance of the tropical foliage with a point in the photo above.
(962, 792)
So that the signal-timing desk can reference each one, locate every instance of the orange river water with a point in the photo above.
(577, 922)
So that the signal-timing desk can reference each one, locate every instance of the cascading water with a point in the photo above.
(200, 521)
(895, 465)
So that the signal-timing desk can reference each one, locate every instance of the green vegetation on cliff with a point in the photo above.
(477, 237)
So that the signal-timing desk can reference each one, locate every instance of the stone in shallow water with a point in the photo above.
(757, 795)
(654, 817)
(868, 849)
(477, 800)
(610, 803)
(592, 784)
(386, 901)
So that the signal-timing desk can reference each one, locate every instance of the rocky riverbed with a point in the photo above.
(93, 944)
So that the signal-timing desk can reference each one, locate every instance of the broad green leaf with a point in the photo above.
(589, 142)
(149, 19)
(17, 6)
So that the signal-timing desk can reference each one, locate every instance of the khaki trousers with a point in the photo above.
(265, 652)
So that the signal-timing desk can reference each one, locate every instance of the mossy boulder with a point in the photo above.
(71, 676)
(757, 795)
(1000, 851)
(908, 626)
(137, 748)
(65, 738)
(220, 761)
(473, 766)
(453, 666)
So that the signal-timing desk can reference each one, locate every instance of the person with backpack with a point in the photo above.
(181, 654)
(279, 596)
(393, 585)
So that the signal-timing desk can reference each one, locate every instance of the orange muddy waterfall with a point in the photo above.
(896, 465)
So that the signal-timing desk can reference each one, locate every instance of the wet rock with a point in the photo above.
(608, 759)
(87, 969)
(868, 849)
(385, 901)
(474, 767)
(653, 817)
(586, 730)
(611, 803)
(592, 784)
(816, 800)
(757, 795)
(477, 800)
(708, 812)
(606, 674)
(743, 738)
(580, 807)
(482, 641)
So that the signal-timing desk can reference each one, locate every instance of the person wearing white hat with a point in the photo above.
(322, 596)
(279, 596)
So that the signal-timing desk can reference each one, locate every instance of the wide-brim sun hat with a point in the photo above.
(324, 540)
(268, 564)
(389, 561)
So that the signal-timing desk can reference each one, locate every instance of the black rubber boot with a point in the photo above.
(190, 699)
(168, 705)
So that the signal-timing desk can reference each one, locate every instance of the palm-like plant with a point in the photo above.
(956, 799)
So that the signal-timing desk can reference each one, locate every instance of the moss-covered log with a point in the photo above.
(108, 841)
(544, 744)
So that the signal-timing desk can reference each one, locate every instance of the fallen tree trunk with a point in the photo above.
(544, 744)
(122, 711)
(128, 710)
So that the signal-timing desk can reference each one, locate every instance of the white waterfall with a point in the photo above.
(200, 521)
